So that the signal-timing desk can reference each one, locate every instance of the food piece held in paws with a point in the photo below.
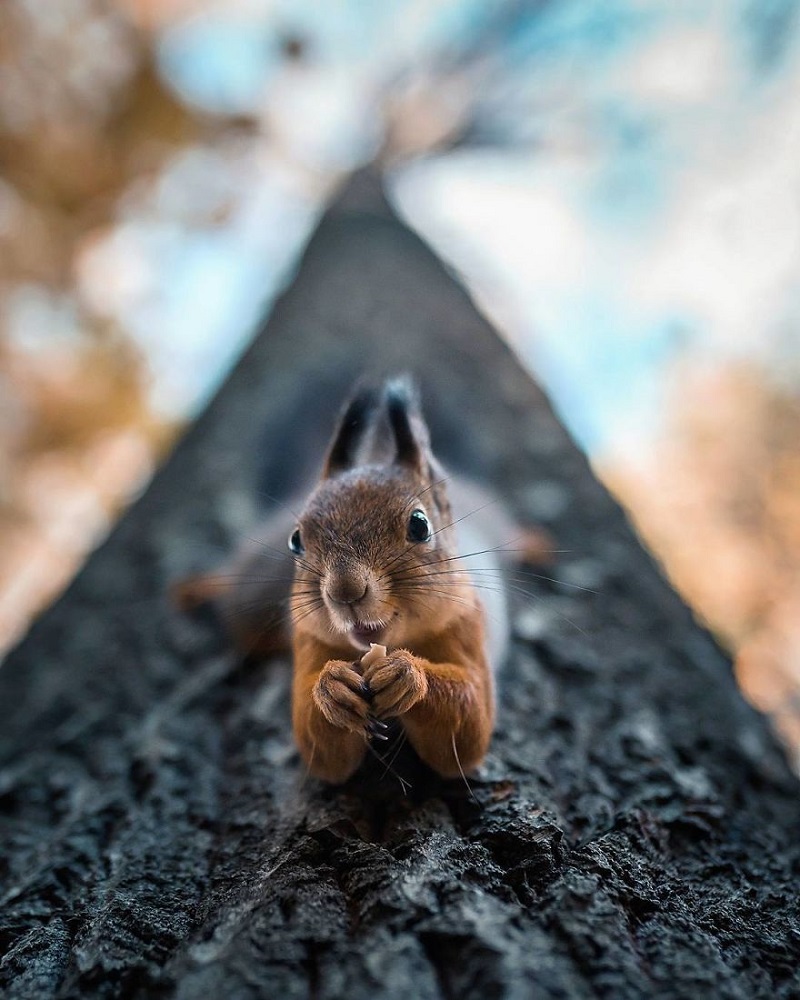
(375, 652)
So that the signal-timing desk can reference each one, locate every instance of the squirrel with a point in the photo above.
(387, 624)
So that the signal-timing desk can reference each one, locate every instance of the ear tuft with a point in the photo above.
(405, 419)
(353, 424)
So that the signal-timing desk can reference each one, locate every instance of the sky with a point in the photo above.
(623, 194)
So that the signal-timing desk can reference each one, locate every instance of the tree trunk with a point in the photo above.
(634, 832)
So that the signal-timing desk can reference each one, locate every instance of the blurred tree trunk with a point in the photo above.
(634, 832)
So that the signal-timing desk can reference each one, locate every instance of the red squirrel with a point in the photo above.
(377, 564)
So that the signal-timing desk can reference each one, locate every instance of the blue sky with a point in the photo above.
(634, 172)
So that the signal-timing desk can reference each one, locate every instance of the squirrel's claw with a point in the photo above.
(376, 728)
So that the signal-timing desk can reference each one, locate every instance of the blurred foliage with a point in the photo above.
(719, 500)
(82, 117)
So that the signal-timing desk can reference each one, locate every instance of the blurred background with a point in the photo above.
(617, 183)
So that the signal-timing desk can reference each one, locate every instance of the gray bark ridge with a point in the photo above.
(633, 833)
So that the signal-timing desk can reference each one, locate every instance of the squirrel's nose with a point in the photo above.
(346, 588)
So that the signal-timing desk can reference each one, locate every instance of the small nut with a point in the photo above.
(375, 652)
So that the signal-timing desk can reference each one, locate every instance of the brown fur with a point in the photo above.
(360, 567)
(435, 677)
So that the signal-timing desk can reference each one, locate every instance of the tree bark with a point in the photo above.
(633, 833)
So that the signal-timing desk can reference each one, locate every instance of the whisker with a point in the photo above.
(561, 583)
(417, 594)
(277, 502)
(285, 555)
(404, 784)
(296, 619)
(431, 486)
(414, 586)
(270, 552)
(387, 567)
(458, 520)
(461, 769)
(395, 750)
(233, 578)
(520, 576)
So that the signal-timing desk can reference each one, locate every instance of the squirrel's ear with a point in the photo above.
(408, 426)
(354, 421)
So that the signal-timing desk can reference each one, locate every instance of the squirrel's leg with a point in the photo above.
(330, 712)
(445, 701)
(451, 727)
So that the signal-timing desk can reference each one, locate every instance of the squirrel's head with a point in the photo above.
(374, 546)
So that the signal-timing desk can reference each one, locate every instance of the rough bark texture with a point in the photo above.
(634, 832)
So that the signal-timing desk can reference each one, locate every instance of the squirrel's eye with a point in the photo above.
(296, 543)
(419, 527)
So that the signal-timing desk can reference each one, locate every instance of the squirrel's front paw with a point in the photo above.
(340, 695)
(395, 684)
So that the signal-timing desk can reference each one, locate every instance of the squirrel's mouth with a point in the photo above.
(361, 634)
